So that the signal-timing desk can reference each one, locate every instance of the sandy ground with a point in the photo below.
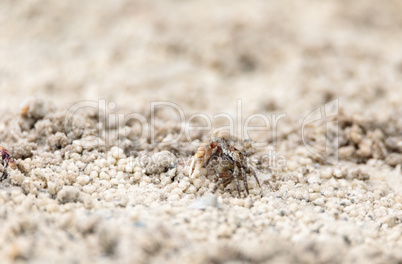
(84, 191)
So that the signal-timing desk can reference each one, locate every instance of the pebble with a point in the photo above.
(208, 200)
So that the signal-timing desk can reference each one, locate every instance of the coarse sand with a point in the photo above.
(94, 96)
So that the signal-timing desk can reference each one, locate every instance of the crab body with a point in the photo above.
(6, 159)
(228, 162)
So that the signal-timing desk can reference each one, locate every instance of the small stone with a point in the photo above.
(292, 166)
(137, 176)
(208, 200)
(129, 168)
(68, 194)
(183, 185)
(319, 201)
(89, 189)
(191, 190)
(198, 183)
(174, 197)
(327, 173)
(104, 176)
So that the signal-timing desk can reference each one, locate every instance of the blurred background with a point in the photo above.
(276, 56)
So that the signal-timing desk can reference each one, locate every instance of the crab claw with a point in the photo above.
(200, 158)
(197, 163)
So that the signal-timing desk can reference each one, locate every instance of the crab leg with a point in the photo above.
(255, 176)
(220, 181)
(244, 178)
(236, 175)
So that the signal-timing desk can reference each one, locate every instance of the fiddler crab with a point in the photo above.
(230, 163)
(6, 159)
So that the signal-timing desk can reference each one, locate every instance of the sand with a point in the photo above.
(78, 78)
